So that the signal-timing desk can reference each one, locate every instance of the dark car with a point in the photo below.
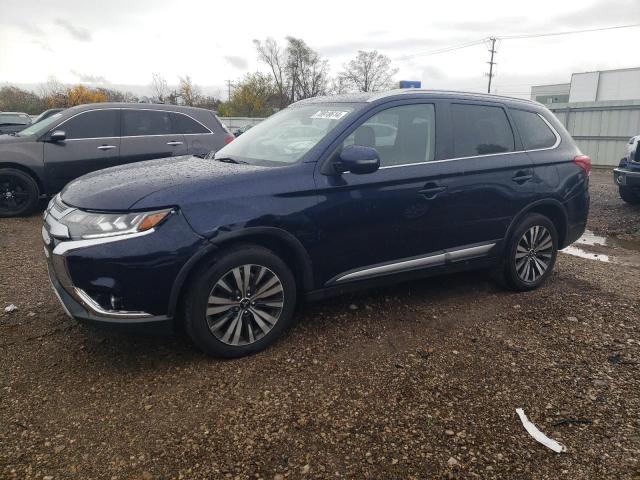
(47, 114)
(41, 159)
(12, 122)
(239, 131)
(224, 247)
(627, 175)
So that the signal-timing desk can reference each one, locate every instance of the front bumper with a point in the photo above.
(124, 280)
(626, 178)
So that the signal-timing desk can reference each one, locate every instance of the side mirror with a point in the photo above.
(58, 136)
(357, 159)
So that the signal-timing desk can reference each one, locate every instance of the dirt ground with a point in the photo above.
(416, 381)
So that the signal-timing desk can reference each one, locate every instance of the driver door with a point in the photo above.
(391, 215)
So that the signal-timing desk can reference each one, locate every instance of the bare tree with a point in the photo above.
(270, 53)
(159, 88)
(189, 91)
(298, 71)
(368, 72)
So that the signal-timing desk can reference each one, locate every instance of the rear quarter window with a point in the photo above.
(534, 131)
(188, 125)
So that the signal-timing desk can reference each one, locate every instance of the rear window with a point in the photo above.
(534, 131)
(189, 126)
(145, 122)
(480, 130)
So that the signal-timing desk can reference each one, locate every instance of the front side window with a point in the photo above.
(136, 123)
(480, 130)
(535, 133)
(189, 126)
(401, 135)
(92, 124)
(285, 137)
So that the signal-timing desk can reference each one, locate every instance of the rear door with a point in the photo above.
(497, 175)
(198, 137)
(149, 134)
(92, 143)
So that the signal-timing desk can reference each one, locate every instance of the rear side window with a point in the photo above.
(480, 130)
(146, 122)
(535, 133)
(188, 125)
(92, 124)
(401, 135)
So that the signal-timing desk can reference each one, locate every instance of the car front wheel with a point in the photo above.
(240, 303)
(630, 195)
(18, 193)
(531, 253)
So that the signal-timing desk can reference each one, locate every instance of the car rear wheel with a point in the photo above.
(240, 303)
(19, 193)
(630, 195)
(531, 253)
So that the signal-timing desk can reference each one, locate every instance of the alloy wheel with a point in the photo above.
(14, 193)
(245, 304)
(534, 254)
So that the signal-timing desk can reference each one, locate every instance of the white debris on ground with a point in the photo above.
(538, 435)
(10, 308)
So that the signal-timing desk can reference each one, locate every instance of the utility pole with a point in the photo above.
(228, 89)
(491, 62)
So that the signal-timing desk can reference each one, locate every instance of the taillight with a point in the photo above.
(584, 162)
(228, 139)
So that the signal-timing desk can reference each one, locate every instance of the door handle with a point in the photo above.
(522, 176)
(432, 190)
(106, 147)
(173, 143)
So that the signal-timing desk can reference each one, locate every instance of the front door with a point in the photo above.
(149, 134)
(92, 142)
(391, 215)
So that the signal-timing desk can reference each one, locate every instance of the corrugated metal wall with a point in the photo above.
(601, 129)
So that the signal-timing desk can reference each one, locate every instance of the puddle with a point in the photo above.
(605, 249)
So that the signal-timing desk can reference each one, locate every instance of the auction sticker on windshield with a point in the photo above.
(329, 114)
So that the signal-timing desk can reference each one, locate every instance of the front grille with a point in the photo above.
(57, 209)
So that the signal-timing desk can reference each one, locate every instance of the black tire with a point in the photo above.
(629, 195)
(206, 281)
(514, 269)
(19, 193)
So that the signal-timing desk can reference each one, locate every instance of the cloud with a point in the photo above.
(83, 77)
(602, 13)
(237, 62)
(42, 44)
(78, 33)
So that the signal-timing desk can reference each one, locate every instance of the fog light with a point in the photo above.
(116, 302)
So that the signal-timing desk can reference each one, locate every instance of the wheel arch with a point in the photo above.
(279, 241)
(28, 171)
(550, 208)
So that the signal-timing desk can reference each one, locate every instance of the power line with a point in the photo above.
(442, 50)
(569, 32)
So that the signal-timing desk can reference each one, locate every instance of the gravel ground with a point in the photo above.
(416, 381)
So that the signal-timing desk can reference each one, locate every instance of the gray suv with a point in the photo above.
(38, 161)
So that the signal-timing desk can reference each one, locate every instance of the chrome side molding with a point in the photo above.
(414, 263)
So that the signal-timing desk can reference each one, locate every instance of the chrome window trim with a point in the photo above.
(129, 136)
(432, 259)
(553, 147)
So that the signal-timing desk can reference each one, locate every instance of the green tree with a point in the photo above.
(254, 96)
(15, 99)
(368, 72)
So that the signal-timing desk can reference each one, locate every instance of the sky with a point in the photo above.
(121, 43)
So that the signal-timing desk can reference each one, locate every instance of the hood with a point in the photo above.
(120, 188)
(6, 138)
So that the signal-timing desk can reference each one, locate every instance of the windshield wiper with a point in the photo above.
(231, 160)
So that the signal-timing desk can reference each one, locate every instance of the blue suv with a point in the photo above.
(330, 194)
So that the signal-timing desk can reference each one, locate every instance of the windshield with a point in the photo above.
(39, 127)
(14, 119)
(287, 136)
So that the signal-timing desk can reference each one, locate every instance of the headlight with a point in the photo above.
(98, 225)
